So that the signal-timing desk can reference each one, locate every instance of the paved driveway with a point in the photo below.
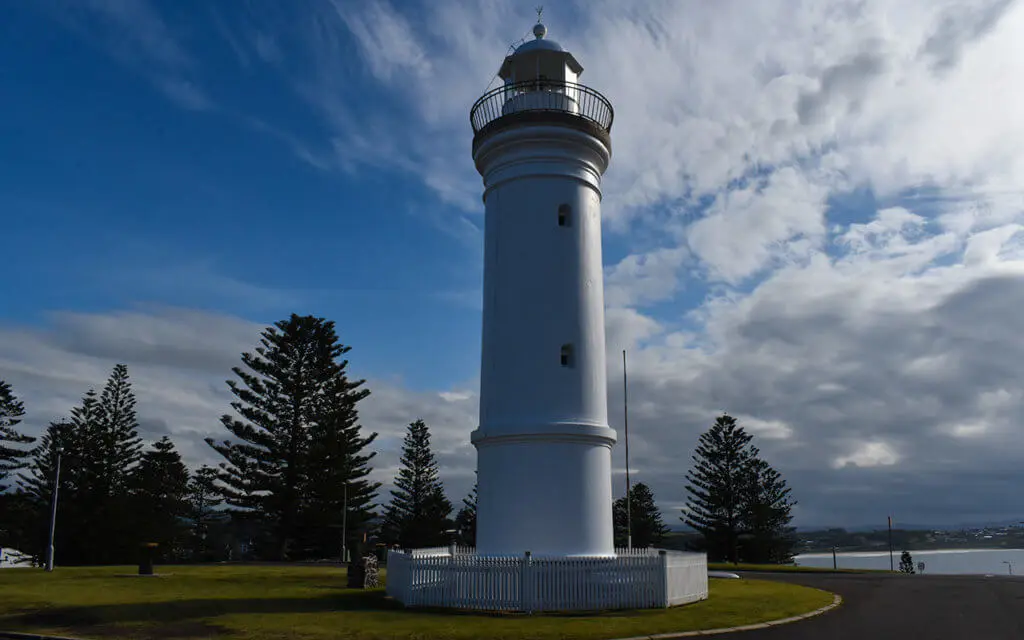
(915, 607)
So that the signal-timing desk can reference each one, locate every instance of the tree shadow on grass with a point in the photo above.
(185, 618)
(192, 618)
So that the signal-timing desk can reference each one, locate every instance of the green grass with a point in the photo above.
(311, 603)
(785, 568)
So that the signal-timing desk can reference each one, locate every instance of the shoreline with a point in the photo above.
(874, 553)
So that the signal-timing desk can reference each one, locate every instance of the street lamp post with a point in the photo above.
(344, 525)
(53, 509)
(625, 424)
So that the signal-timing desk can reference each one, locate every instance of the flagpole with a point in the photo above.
(891, 566)
(625, 424)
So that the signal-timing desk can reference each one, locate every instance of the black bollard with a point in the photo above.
(146, 554)
(356, 568)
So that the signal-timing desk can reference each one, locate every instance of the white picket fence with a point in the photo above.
(686, 578)
(458, 578)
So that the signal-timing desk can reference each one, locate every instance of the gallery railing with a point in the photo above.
(542, 95)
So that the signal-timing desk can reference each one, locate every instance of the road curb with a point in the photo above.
(836, 601)
(10, 635)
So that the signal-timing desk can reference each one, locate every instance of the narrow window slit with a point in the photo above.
(564, 215)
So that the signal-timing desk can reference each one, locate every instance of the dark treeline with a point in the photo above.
(294, 473)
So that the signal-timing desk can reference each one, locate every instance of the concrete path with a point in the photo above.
(915, 607)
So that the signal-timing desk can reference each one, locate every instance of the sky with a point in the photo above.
(813, 220)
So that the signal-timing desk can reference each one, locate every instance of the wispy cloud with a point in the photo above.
(199, 282)
(185, 94)
(135, 34)
(387, 42)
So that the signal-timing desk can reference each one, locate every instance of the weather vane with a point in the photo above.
(539, 9)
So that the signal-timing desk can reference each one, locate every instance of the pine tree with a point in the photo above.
(101, 447)
(42, 467)
(11, 412)
(418, 514)
(159, 497)
(296, 405)
(81, 447)
(203, 500)
(110, 452)
(767, 511)
(339, 495)
(906, 562)
(465, 520)
(717, 484)
(82, 508)
(116, 431)
(646, 522)
(59, 439)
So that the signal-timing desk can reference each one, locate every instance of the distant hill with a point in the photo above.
(911, 526)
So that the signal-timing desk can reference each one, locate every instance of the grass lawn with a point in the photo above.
(785, 568)
(308, 602)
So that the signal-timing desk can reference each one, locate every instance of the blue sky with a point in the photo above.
(812, 220)
(116, 195)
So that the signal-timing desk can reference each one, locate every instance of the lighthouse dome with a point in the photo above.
(540, 44)
(540, 59)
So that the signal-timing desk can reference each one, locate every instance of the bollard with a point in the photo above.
(357, 569)
(146, 554)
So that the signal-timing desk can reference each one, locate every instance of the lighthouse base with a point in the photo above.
(459, 578)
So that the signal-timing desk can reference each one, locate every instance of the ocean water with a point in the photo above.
(942, 561)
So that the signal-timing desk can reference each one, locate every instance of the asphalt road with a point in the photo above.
(915, 607)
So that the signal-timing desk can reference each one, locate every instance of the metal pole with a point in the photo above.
(835, 565)
(892, 567)
(53, 511)
(344, 525)
(625, 424)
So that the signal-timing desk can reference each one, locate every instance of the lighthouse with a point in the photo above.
(541, 144)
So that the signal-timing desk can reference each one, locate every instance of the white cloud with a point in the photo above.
(986, 247)
(781, 218)
(644, 278)
(770, 429)
(869, 454)
(969, 430)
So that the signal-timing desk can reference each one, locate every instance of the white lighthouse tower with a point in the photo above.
(541, 143)
(544, 506)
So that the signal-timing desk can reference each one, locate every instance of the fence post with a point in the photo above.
(663, 563)
(526, 584)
